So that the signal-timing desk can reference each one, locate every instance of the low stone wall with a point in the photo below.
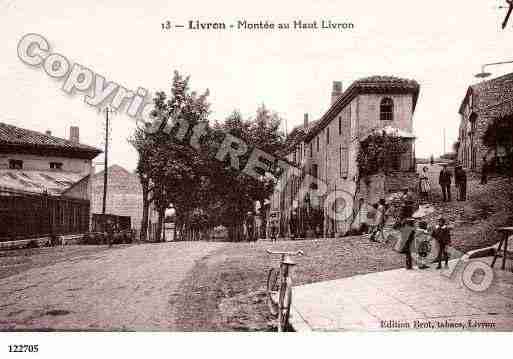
(375, 187)
(396, 181)
(42, 241)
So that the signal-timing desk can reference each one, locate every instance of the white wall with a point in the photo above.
(42, 163)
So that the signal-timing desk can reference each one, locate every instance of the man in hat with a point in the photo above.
(445, 182)
(408, 230)
(460, 180)
(442, 235)
(484, 171)
(250, 227)
(409, 204)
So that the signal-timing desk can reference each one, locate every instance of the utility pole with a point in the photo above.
(105, 162)
(444, 141)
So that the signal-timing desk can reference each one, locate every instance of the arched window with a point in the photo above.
(386, 109)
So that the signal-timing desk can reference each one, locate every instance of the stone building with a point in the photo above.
(483, 102)
(328, 149)
(124, 194)
(35, 162)
(36, 170)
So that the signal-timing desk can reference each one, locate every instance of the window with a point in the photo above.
(344, 162)
(15, 164)
(311, 149)
(56, 165)
(317, 143)
(315, 170)
(327, 135)
(339, 125)
(396, 162)
(386, 109)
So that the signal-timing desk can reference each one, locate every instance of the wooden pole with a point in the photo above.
(105, 162)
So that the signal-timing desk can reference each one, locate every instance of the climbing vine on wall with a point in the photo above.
(378, 152)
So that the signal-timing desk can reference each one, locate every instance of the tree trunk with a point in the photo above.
(158, 235)
(144, 221)
(146, 209)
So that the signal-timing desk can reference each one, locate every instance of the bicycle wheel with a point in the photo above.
(284, 315)
(272, 290)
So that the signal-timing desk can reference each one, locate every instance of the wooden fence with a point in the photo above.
(30, 215)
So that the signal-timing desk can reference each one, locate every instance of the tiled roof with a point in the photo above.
(371, 84)
(386, 81)
(391, 131)
(116, 170)
(489, 93)
(297, 135)
(20, 137)
(54, 182)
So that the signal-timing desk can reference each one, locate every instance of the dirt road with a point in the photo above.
(131, 288)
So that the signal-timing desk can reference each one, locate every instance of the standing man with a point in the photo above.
(484, 172)
(409, 231)
(408, 206)
(250, 226)
(442, 235)
(460, 179)
(273, 223)
(293, 224)
(109, 228)
(445, 182)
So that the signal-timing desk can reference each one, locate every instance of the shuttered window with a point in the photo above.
(344, 162)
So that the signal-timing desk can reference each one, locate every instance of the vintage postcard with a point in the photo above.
(313, 166)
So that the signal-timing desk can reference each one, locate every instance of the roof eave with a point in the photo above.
(352, 92)
(64, 152)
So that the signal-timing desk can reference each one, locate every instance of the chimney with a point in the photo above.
(74, 134)
(48, 132)
(337, 91)
(305, 123)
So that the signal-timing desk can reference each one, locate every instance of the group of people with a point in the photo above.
(381, 211)
(441, 234)
(460, 180)
(445, 181)
(407, 207)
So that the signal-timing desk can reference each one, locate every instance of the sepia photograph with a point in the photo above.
(297, 166)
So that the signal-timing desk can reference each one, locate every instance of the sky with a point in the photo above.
(440, 44)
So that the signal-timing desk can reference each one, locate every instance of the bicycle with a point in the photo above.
(279, 294)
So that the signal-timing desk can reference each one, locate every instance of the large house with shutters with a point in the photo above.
(327, 149)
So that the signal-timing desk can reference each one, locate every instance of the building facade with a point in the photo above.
(35, 162)
(483, 103)
(124, 194)
(36, 170)
(328, 150)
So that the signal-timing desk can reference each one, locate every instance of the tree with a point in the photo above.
(144, 146)
(500, 133)
(169, 168)
(235, 191)
(377, 153)
(205, 192)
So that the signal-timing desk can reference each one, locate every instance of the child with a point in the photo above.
(423, 249)
(442, 235)
(371, 218)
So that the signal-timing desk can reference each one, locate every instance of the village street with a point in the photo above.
(129, 288)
